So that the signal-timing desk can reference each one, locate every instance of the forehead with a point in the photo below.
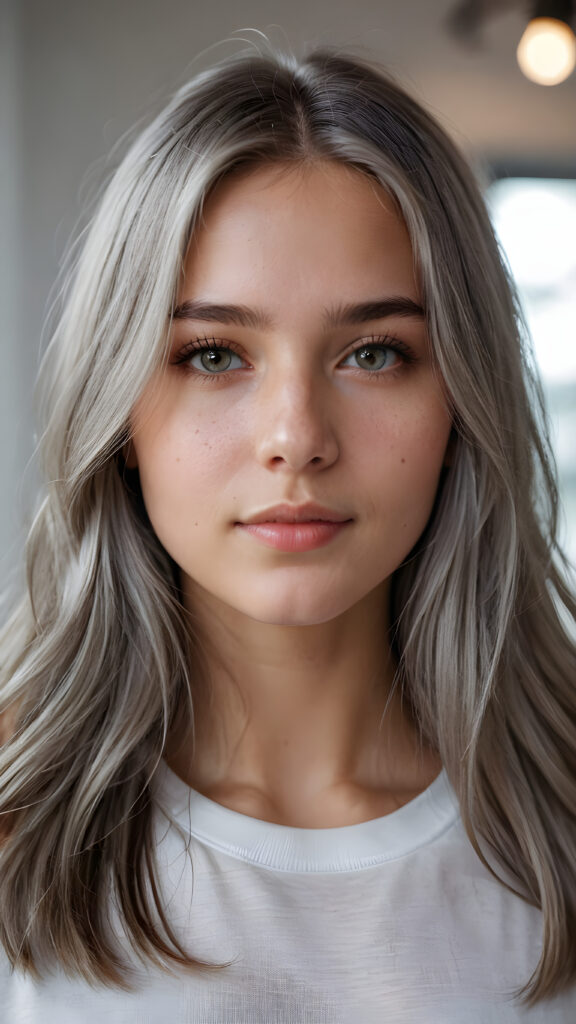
(299, 230)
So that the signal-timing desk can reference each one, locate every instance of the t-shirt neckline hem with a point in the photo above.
(288, 848)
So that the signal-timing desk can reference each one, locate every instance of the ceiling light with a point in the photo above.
(547, 50)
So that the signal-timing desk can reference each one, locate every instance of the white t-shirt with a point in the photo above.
(392, 920)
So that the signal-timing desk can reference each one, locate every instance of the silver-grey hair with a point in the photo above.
(99, 664)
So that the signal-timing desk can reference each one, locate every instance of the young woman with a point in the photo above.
(289, 705)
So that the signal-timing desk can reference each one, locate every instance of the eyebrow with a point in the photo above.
(337, 316)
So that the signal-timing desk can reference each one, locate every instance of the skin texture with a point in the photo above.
(300, 667)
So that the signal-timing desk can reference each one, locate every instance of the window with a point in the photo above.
(535, 220)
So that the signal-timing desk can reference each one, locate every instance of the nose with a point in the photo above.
(296, 426)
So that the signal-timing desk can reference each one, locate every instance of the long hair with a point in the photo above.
(99, 663)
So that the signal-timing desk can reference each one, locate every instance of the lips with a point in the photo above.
(307, 513)
(295, 529)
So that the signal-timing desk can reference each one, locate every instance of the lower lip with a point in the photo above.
(294, 536)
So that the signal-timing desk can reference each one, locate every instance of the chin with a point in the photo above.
(293, 620)
(277, 600)
(294, 613)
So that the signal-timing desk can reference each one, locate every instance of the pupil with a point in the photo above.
(214, 358)
(370, 356)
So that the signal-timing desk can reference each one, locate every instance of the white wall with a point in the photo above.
(17, 366)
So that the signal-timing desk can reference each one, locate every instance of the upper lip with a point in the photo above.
(296, 514)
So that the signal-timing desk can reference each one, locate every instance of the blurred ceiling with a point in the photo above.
(118, 54)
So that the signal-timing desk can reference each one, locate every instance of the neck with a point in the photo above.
(300, 718)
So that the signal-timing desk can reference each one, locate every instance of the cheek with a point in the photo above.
(415, 425)
(182, 465)
(411, 457)
(421, 448)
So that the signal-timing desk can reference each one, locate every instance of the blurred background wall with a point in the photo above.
(75, 76)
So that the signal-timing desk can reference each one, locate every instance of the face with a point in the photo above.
(301, 399)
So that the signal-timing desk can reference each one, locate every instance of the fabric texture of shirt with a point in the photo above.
(391, 921)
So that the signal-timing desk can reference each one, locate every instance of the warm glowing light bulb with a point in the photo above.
(547, 51)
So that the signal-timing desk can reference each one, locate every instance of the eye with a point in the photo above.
(215, 360)
(208, 356)
(379, 355)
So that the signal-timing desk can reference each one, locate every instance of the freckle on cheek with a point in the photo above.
(402, 460)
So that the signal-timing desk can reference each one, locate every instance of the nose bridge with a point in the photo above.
(295, 383)
(296, 414)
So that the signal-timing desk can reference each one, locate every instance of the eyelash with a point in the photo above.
(203, 344)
